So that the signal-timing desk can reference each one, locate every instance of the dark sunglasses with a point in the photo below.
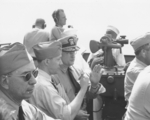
(28, 75)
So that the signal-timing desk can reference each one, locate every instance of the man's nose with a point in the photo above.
(32, 80)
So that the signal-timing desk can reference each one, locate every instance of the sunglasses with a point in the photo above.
(27, 76)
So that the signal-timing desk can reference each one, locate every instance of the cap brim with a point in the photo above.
(65, 39)
(71, 49)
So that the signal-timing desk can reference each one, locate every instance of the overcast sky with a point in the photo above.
(89, 17)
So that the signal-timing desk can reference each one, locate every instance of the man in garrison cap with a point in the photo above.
(50, 95)
(141, 60)
(35, 36)
(70, 77)
(137, 93)
(17, 81)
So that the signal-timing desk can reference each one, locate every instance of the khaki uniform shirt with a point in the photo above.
(31, 112)
(50, 97)
(139, 101)
(135, 67)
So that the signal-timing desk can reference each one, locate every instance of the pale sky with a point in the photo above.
(89, 17)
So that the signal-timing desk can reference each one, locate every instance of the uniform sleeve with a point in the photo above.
(130, 78)
(91, 93)
(33, 113)
(147, 100)
(49, 99)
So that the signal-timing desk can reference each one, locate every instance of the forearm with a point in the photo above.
(76, 103)
(93, 91)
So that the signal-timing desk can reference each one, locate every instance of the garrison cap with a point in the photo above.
(13, 57)
(49, 50)
(140, 41)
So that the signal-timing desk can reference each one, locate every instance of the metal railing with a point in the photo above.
(4, 44)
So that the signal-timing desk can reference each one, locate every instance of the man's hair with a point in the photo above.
(145, 47)
(55, 14)
(5, 111)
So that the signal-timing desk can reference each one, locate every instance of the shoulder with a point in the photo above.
(57, 30)
(29, 32)
(135, 67)
(28, 108)
(43, 31)
(56, 79)
(77, 70)
(54, 28)
(43, 83)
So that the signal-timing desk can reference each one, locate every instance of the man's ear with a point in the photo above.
(60, 62)
(143, 52)
(4, 82)
(46, 62)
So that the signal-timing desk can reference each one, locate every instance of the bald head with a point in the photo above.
(39, 23)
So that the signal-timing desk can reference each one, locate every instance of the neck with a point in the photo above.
(141, 59)
(64, 66)
(59, 25)
(40, 66)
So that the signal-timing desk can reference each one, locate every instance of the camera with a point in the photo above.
(107, 38)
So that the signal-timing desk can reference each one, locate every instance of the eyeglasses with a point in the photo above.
(27, 76)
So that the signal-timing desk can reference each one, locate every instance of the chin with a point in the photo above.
(71, 63)
(54, 72)
(27, 97)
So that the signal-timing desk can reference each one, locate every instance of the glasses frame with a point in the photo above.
(30, 73)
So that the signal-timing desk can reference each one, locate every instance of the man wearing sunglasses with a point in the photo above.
(69, 76)
(50, 95)
(17, 81)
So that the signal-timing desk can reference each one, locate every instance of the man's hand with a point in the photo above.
(84, 81)
(82, 115)
(96, 74)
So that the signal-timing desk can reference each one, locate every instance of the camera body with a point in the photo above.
(107, 38)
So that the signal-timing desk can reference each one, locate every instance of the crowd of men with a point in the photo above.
(39, 81)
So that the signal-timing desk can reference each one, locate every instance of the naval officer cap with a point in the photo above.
(69, 41)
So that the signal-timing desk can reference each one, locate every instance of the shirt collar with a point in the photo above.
(63, 68)
(140, 62)
(9, 101)
(43, 73)
(46, 75)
